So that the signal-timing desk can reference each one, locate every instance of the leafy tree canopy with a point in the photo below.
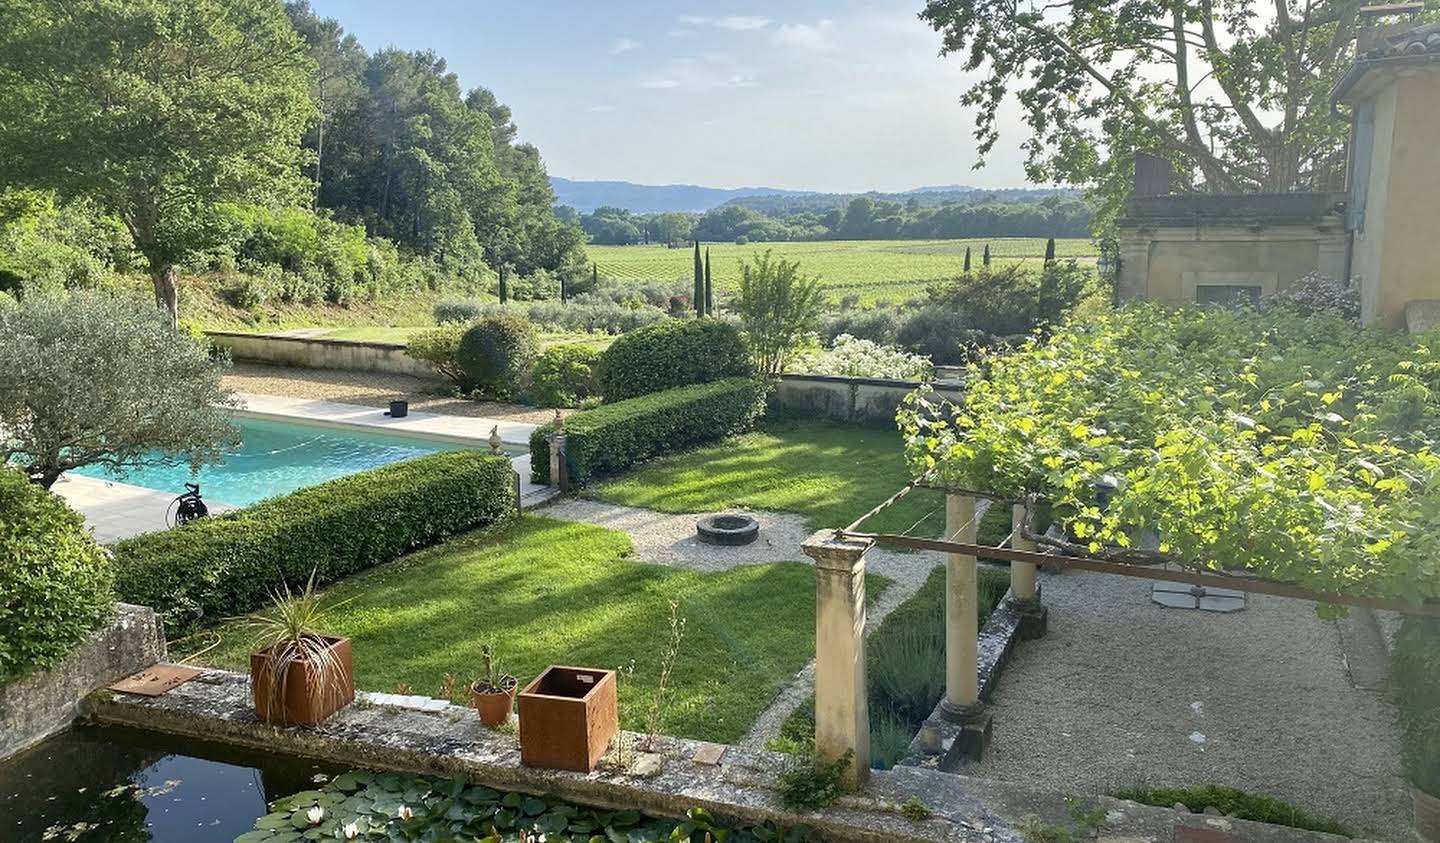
(156, 110)
(1234, 92)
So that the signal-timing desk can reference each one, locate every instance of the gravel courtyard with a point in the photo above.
(1122, 691)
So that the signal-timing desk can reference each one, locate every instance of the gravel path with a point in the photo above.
(1123, 692)
(371, 389)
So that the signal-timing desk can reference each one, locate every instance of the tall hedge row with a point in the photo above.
(225, 565)
(616, 436)
(676, 352)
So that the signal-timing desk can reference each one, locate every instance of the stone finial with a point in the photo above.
(495, 440)
(559, 422)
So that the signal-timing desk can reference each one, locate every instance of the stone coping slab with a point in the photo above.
(678, 775)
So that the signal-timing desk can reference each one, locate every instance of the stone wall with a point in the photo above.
(319, 353)
(39, 705)
(848, 399)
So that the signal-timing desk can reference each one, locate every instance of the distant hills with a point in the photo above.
(586, 196)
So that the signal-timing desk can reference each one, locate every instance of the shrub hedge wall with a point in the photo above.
(226, 565)
(54, 578)
(676, 352)
(616, 436)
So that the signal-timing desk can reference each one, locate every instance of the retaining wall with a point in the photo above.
(37, 706)
(849, 399)
(320, 353)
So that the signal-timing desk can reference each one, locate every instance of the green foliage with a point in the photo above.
(222, 565)
(616, 436)
(457, 310)
(812, 785)
(1236, 436)
(93, 379)
(1232, 803)
(1315, 294)
(1416, 685)
(587, 313)
(879, 324)
(55, 582)
(403, 806)
(942, 332)
(914, 810)
(1084, 823)
(779, 308)
(564, 375)
(168, 109)
(857, 358)
(497, 352)
(440, 347)
(672, 353)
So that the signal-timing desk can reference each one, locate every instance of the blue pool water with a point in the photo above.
(275, 458)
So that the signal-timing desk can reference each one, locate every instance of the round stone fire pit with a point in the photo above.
(728, 528)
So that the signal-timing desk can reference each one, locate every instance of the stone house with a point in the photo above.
(1383, 229)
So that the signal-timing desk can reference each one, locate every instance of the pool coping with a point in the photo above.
(434, 427)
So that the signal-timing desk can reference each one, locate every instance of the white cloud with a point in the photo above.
(660, 84)
(806, 36)
(734, 23)
(600, 109)
(680, 33)
(624, 45)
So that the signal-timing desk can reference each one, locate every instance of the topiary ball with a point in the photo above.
(55, 581)
(497, 353)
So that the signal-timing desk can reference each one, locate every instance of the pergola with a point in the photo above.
(842, 719)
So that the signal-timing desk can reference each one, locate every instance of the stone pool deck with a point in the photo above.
(117, 511)
(680, 774)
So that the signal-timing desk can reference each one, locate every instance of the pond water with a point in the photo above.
(90, 784)
(276, 458)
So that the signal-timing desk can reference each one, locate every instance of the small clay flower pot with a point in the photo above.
(309, 695)
(494, 706)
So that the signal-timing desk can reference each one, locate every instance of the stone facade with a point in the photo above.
(37, 706)
(316, 353)
(849, 399)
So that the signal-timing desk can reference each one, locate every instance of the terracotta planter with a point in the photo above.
(568, 716)
(308, 697)
(494, 706)
(1427, 815)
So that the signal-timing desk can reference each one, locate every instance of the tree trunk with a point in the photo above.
(167, 291)
(46, 478)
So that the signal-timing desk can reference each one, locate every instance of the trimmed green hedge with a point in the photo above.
(225, 565)
(616, 436)
(54, 579)
(676, 352)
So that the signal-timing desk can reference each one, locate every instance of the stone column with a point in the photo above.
(1022, 574)
(842, 709)
(961, 610)
(559, 466)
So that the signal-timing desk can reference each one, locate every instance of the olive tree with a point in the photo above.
(779, 308)
(98, 380)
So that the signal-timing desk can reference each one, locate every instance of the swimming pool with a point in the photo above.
(278, 457)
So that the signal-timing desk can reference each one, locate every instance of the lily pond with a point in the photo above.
(89, 785)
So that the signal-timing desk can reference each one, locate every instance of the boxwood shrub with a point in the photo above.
(54, 579)
(676, 352)
(225, 565)
(616, 436)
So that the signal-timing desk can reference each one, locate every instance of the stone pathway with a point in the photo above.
(1122, 692)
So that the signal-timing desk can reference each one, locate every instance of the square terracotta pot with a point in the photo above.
(568, 716)
(308, 698)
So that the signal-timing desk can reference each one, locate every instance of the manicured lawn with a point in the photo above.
(553, 592)
(830, 473)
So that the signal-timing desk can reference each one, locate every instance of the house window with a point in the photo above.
(1228, 295)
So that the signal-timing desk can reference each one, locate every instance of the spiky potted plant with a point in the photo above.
(299, 676)
(493, 694)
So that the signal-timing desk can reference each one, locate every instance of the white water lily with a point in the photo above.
(405, 813)
(351, 831)
(315, 814)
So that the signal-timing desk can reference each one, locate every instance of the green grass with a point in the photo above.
(829, 473)
(1232, 802)
(552, 592)
(873, 270)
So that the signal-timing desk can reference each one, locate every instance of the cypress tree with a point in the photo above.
(699, 282)
(709, 288)
(504, 283)
(967, 260)
(562, 289)
(595, 276)
(985, 258)
(1050, 251)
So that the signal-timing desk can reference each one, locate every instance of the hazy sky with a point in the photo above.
(845, 95)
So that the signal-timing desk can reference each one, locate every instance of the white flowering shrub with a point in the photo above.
(857, 358)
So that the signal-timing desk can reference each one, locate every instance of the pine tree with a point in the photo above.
(985, 258)
(1050, 251)
(709, 288)
(967, 260)
(699, 282)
